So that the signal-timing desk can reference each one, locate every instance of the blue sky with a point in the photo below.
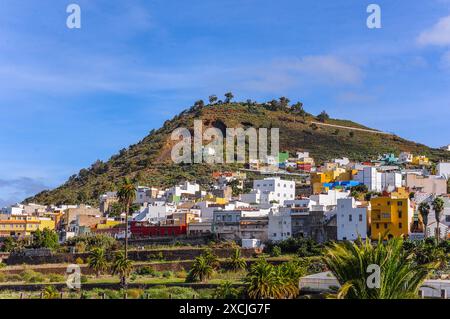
(70, 97)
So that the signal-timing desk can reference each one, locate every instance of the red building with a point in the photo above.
(145, 229)
(301, 166)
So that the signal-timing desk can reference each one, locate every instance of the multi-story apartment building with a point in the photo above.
(351, 219)
(281, 190)
(23, 225)
(390, 217)
(279, 227)
(427, 184)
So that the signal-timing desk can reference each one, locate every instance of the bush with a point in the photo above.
(84, 279)
(79, 261)
(167, 274)
(56, 278)
(146, 271)
(163, 292)
(31, 276)
(276, 251)
(181, 274)
(135, 293)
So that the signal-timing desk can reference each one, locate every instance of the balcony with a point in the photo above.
(378, 216)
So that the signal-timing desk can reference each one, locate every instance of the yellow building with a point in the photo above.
(23, 225)
(390, 217)
(221, 201)
(400, 192)
(420, 160)
(108, 223)
(330, 176)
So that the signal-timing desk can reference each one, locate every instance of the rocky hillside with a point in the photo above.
(149, 161)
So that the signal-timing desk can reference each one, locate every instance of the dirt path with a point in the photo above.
(352, 128)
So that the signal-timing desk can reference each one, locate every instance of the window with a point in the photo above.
(378, 226)
(350, 217)
(399, 214)
(400, 225)
(399, 203)
(360, 217)
(385, 226)
(389, 203)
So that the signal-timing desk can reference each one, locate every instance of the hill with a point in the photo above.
(149, 161)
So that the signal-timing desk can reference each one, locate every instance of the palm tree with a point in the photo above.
(201, 270)
(424, 209)
(211, 258)
(50, 292)
(126, 195)
(97, 261)
(226, 291)
(236, 262)
(438, 207)
(265, 281)
(121, 266)
(400, 277)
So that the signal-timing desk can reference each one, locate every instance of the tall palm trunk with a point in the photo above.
(124, 278)
(126, 229)
(438, 230)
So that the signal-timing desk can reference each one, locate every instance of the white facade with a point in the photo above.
(390, 181)
(405, 157)
(370, 177)
(351, 219)
(282, 189)
(183, 189)
(342, 161)
(328, 200)
(279, 225)
(13, 210)
(154, 212)
(443, 169)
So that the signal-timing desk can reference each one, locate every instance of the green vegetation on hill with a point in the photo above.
(148, 161)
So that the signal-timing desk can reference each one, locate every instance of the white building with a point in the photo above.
(328, 200)
(342, 161)
(282, 189)
(185, 189)
(443, 169)
(390, 181)
(13, 210)
(280, 227)
(146, 194)
(154, 212)
(351, 219)
(405, 157)
(378, 181)
(370, 177)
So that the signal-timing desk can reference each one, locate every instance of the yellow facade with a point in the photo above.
(46, 223)
(24, 225)
(400, 192)
(330, 176)
(390, 217)
(109, 223)
(221, 201)
(420, 160)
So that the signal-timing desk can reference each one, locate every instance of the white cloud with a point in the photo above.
(438, 35)
(327, 68)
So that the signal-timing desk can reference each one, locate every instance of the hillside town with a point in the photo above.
(334, 201)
